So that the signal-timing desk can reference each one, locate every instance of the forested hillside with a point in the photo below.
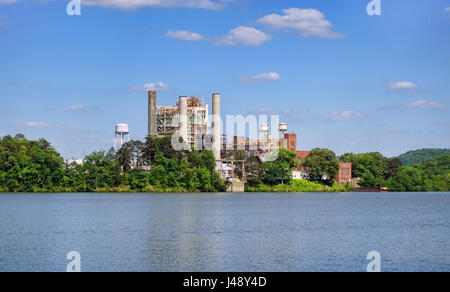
(419, 156)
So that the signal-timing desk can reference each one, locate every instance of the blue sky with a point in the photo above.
(340, 78)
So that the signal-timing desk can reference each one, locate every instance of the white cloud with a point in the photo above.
(81, 108)
(184, 35)
(160, 86)
(447, 9)
(136, 4)
(425, 104)
(307, 22)
(244, 35)
(402, 86)
(42, 125)
(344, 116)
(265, 77)
(77, 107)
(39, 125)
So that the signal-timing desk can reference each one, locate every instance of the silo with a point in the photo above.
(151, 113)
(184, 118)
(216, 123)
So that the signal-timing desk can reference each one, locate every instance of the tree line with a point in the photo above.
(35, 166)
(154, 166)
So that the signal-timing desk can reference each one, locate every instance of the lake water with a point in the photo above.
(225, 232)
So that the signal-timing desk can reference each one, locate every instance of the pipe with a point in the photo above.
(184, 118)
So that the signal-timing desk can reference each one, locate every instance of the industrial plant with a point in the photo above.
(189, 119)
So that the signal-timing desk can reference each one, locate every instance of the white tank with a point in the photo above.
(264, 128)
(122, 129)
(283, 127)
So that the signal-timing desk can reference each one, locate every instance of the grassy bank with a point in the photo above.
(297, 186)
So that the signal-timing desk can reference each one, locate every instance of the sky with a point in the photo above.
(340, 78)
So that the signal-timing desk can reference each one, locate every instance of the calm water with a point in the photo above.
(224, 232)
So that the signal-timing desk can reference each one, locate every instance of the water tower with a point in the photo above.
(283, 128)
(122, 131)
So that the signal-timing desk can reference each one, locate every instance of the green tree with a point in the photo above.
(371, 168)
(409, 179)
(280, 170)
(321, 165)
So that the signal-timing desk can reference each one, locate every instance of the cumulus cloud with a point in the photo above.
(306, 22)
(260, 78)
(136, 4)
(418, 104)
(447, 9)
(425, 104)
(344, 116)
(160, 86)
(404, 86)
(244, 35)
(81, 108)
(184, 35)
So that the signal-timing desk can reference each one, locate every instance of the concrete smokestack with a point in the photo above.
(216, 139)
(184, 118)
(151, 113)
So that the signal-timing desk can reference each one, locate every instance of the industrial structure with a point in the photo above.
(188, 118)
(265, 144)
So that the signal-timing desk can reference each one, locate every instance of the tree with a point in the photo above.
(394, 165)
(321, 165)
(409, 179)
(130, 156)
(253, 171)
(280, 170)
(371, 168)
(418, 156)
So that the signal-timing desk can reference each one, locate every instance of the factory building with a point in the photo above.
(188, 118)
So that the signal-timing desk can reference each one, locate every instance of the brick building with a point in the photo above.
(345, 172)
(291, 142)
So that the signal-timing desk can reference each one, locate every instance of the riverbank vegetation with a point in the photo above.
(35, 166)
(153, 166)
(375, 170)
(296, 186)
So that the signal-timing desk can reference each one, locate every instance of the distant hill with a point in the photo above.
(419, 156)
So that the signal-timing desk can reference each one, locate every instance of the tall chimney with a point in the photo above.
(184, 118)
(216, 125)
(151, 113)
